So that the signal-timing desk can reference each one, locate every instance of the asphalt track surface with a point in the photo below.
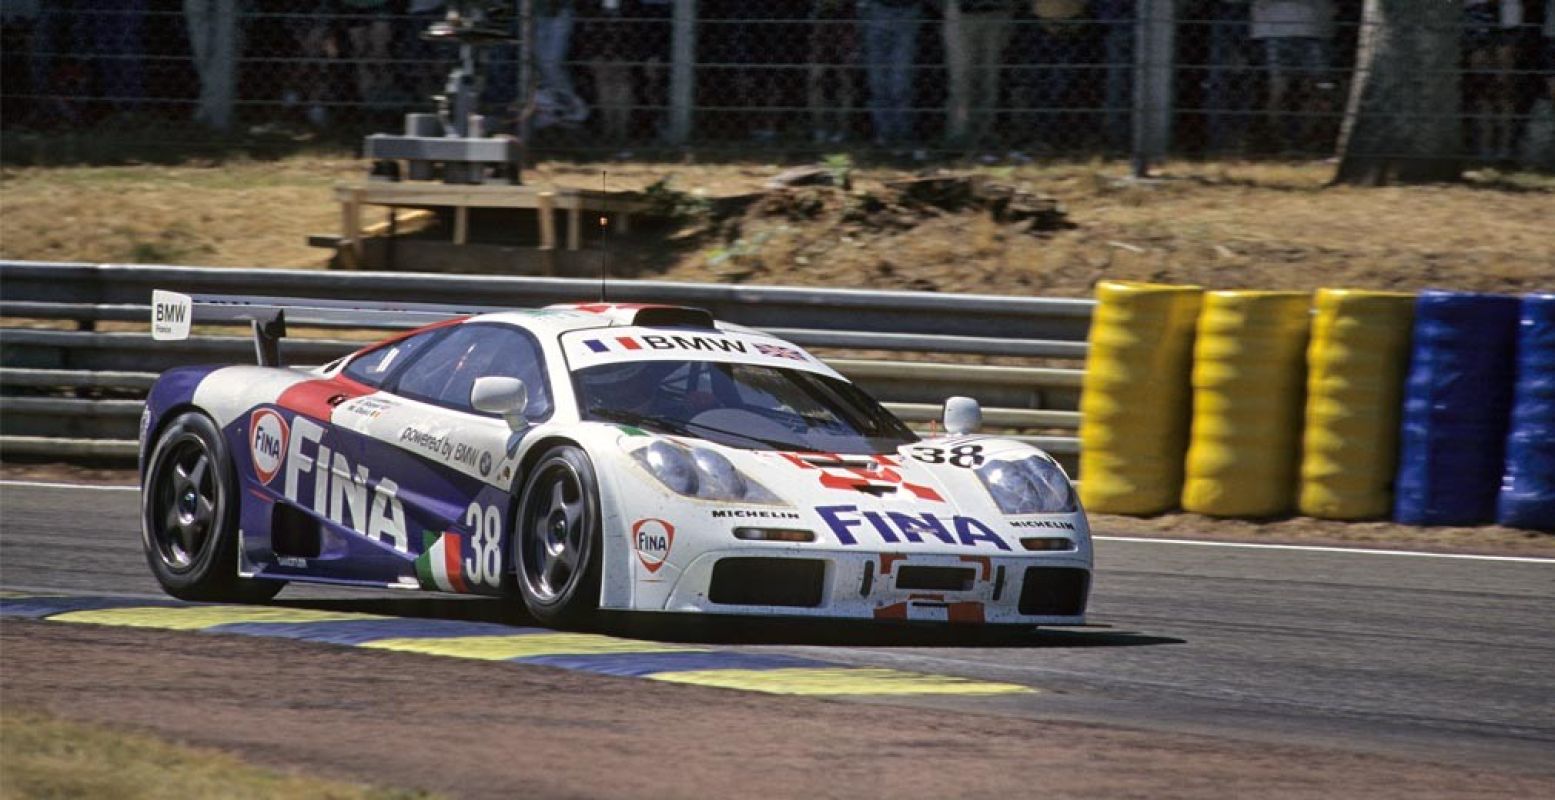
(1446, 659)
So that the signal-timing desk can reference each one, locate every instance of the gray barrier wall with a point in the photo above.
(71, 390)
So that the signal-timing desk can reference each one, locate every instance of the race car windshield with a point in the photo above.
(740, 405)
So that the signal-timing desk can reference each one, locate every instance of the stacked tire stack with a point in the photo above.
(1345, 405)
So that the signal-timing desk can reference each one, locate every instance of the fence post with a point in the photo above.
(1154, 43)
(682, 70)
(526, 70)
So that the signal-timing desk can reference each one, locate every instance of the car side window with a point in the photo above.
(375, 366)
(444, 373)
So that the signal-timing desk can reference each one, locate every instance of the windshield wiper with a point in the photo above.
(639, 420)
(768, 442)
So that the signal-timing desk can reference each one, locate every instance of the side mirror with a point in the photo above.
(497, 395)
(962, 415)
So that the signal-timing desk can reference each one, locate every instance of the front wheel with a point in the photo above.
(556, 545)
(189, 516)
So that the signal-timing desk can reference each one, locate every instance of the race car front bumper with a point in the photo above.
(1049, 589)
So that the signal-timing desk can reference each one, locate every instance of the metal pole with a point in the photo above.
(1154, 40)
(1140, 166)
(682, 70)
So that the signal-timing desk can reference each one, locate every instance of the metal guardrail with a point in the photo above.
(76, 394)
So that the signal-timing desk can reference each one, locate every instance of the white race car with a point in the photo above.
(593, 456)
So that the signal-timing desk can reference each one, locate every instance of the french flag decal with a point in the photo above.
(603, 345)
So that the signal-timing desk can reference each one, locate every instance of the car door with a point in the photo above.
(452, 466)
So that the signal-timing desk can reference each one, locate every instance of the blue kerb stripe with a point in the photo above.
(39, 607)
(596, 345)
(358, 631)
(640, 664)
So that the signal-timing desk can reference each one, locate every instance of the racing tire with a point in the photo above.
(556, 541)
(189, 516)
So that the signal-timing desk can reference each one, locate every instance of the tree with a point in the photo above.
(1402, 124)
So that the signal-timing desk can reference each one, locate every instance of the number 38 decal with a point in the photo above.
(969, 456)
(484, 563)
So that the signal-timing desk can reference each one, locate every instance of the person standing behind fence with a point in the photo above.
(976, 33)
(890, 53)
(1490, 47)
(553, 38)
(1548, 56)
(1048, 46)
(106, 34)
(1296, 37)
(1229, 90)
(556, 103)
(833, 51)
(214, 41)
(1117, 17)
(370, 31)
(607, 44)
(424, 64)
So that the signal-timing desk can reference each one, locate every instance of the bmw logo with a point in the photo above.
(485, 464)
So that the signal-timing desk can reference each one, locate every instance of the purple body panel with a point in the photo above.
(432, 498)
(174, 388)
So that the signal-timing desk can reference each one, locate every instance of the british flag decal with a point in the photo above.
(778, 351)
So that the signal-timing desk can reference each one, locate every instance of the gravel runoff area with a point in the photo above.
(478, 730)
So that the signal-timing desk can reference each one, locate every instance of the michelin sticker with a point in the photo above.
(171, 314)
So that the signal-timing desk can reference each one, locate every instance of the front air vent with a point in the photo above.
(788, 582)
(936, 579)
(1054, 591)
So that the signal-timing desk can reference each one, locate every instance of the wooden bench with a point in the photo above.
(418, 194)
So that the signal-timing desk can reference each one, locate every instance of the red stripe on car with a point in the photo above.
(318, 398)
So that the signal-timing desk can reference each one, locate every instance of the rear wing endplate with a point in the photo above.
(172, 314)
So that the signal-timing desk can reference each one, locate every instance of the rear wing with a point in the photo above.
(172, 314)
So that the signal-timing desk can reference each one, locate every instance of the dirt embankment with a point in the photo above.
(1222, 225)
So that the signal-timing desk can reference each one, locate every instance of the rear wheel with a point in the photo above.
(556, 545)
(189, 516)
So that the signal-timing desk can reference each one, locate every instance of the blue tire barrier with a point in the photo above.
(1457, 399)
(1528, 488)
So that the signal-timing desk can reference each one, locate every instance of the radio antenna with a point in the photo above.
(604, 233)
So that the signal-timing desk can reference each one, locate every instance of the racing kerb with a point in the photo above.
(76, 357)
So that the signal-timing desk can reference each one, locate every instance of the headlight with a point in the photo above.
(670, 465)
(1032, 485)
(699, 472)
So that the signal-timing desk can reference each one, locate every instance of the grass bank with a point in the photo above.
(45, 757)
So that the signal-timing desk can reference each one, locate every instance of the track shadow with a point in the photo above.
(726, 631)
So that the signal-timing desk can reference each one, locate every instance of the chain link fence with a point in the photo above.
(911, 78)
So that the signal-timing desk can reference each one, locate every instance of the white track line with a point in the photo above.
(95, 486)
(1319, 549)
(1132, 539)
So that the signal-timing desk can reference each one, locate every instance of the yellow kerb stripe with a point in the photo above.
(838, 680)
(193, 618)
(500, 648)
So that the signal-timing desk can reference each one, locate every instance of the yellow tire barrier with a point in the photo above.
(1249, 368)
(1134, 406)
(1355, 376)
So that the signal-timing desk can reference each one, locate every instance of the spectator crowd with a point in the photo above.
(1033, 76)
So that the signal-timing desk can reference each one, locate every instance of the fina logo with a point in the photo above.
(652, 539)
(267, 435)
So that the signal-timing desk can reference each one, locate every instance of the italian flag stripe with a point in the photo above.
(452, 563)
(440, 566)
